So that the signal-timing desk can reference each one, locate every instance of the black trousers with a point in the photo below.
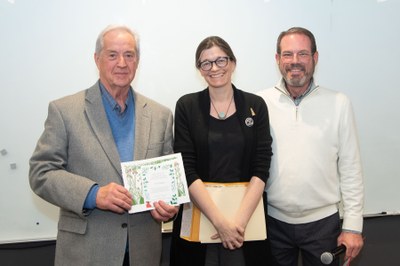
(310, 239)
(217, 255)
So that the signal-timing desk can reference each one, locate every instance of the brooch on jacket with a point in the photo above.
(249, 120)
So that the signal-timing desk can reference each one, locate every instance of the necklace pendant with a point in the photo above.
(221, 115)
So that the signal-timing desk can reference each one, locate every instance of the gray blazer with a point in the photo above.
(76, 151)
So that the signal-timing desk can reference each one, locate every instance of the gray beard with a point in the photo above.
(296, 82)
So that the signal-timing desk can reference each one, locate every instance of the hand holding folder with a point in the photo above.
(227, 196)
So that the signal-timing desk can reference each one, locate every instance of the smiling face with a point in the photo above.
(118, 60)
(216, 77)
(296, 61)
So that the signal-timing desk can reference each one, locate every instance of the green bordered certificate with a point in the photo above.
(161, 178)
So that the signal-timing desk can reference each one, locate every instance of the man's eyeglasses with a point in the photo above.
(302, 55)
(219, 62)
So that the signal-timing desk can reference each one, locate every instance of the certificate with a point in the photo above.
(161, 178)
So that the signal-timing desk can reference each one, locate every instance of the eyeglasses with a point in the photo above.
(219, 62)
(302, 55)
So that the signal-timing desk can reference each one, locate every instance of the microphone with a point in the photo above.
(328, 257)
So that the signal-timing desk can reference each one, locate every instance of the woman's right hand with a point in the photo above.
(231, 235)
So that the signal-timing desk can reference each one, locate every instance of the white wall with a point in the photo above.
(46, 51)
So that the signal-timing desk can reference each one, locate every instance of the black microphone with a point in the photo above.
(327, 257)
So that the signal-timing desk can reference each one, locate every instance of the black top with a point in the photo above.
(226, 146)
(192, 132)
(192, 119)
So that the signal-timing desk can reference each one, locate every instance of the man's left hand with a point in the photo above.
(163, 212)
(353, 242)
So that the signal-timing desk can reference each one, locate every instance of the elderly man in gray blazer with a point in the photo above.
(77, 162)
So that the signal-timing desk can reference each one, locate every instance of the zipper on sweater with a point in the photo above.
(296, 107)
(303, 99)
(296, 112)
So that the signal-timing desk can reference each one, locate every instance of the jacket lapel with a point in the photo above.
(98, 121)
(142, 127)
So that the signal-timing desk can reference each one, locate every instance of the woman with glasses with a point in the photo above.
(223, 135)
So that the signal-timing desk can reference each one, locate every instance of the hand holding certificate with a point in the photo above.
(161, 178)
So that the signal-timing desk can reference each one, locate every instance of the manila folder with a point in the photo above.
(227, 197)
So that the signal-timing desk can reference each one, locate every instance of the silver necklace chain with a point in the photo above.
(222, 115)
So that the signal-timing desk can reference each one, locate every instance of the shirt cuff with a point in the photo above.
(351, 231)
(90, 201)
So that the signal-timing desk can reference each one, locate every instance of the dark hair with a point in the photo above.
(211, 41)
(297, 30)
